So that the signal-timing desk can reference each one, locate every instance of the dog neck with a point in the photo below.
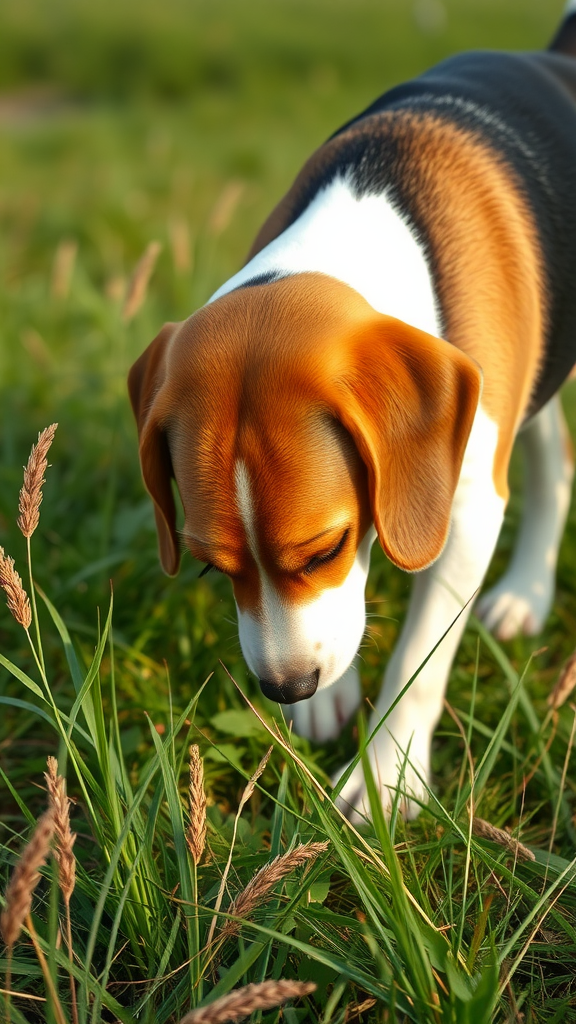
(363, 242)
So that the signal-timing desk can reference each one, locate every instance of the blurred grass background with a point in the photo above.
(183, 122)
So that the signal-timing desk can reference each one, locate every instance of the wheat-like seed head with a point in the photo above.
(248, 791)
(497, 835)
(31, 493)
(196, 831)
(260, 887)
(59, 804)
(182, 256)
(251, 784)
(242, 1002)
(63, 267)
(225, 207)
(565, 685)
(25, 878)
(16, 597)
(139, 282)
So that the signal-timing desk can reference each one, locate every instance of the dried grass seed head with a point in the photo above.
(251, 784)
(260, 886)
(16, 597)
(138, 285)
(565, 685)
(196, 831)
(241, 1002)
(63, 267)
(25, 878)
(59, 804)
(31, 492)
(484, 830)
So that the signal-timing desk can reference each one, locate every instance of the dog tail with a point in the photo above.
(565, 39)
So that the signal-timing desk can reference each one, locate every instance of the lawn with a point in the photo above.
(182, 123)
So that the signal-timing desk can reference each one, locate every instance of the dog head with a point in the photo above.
(298, 424)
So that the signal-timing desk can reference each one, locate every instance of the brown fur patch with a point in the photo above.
(341, 416)
(485, 254)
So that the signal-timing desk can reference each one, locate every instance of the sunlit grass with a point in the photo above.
(425, 920)
(110, 166)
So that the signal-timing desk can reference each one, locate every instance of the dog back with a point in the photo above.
(520, 109)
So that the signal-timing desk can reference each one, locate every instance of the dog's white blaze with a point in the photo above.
(289, 640)
(363, 242)
(246, 507)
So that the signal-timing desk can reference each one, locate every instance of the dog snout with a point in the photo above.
(288, 691)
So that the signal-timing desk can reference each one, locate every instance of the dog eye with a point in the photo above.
(319, 560)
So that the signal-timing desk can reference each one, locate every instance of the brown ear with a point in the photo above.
(408, 402)
(144, 385)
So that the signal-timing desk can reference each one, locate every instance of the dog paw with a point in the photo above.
(322, 717)
(389, 775)
(515, 609)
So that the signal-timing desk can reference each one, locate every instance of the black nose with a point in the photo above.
(291, 690)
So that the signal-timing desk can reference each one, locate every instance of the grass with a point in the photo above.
(427, 920)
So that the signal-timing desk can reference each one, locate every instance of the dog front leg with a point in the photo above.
(440, 604)
(521, 601)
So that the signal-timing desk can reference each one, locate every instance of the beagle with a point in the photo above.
(407, 309)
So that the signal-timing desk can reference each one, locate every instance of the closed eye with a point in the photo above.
(319, 560)
(208, 568)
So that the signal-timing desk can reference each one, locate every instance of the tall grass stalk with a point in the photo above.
(247, 793)
(29, 513)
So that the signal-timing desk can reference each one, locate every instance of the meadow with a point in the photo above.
(182, 123)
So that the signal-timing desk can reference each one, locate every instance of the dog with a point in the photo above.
(405, 312)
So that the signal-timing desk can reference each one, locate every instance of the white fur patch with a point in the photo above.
(290, 640)
(245, 507)
(362, 242)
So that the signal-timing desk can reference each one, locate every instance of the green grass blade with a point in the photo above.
(182, 855)
(405, 927)
(16, 796)
(73, 664)
(93, 710)
(34, 709)
(22, 677)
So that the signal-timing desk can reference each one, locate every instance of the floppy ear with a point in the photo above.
(144, 383)
(408, 400)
